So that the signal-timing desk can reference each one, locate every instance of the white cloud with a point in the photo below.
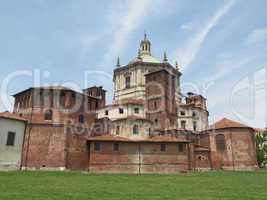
(244, 100)
(187, 27)
(256, 36)
(191, 47)
(227, 66)
(126, 20)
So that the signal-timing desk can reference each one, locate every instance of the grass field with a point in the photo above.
(80, 186)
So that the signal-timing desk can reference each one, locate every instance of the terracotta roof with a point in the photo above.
(55, 88)
(227, 123)
(173, 129)
(9, 115)
(45, 88)
(59, 88)
(166, 138)
(108, 138)
(114, 138)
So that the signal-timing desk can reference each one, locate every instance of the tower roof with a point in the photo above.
(227, 123)
(144, 52)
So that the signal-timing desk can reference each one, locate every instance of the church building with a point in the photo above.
(150, 127)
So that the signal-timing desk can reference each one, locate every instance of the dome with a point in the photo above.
(149, 58)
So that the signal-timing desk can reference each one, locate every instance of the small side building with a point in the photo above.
(232, 145)
(158, 154)
(12, 130)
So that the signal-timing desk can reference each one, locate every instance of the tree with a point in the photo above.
(261, 148)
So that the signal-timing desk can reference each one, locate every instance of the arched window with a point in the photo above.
(135, 130)
(127, 82)
(220, 142)
(48, 115)
(81, 119)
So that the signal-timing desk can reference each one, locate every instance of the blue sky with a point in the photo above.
(221, 46)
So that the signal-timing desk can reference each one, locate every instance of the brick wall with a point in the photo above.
(138, 158)
(202, 160)
(239, 153)
(44, 146)
(160, 99)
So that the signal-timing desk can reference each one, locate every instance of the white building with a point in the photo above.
(193, 114)
(12, 129)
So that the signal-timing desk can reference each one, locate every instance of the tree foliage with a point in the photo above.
(261, 148)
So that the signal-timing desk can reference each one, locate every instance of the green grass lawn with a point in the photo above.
(80, 186)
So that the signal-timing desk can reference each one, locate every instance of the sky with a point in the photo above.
(220, 45)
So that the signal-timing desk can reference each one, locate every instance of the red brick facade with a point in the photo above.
(239, 152)
(138, 156)
(67, 138)
(57, 139)
(160, 95)
(64, 131)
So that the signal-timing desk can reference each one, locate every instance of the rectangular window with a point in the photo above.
(195, 126)
(155, 105)
(106, 112)
(127, 82)
(135, 130)
(136, 110)
(182, 113)
(10, 139)
(121, 111)
(62, 99)
(180, 148)
(116, 147)
(183, 124)
(48, 115)
(117, 130)
(81, 119)
(97, 146)
(163, 147)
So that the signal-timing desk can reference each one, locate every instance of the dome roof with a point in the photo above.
(145, 58)
(149, 58)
